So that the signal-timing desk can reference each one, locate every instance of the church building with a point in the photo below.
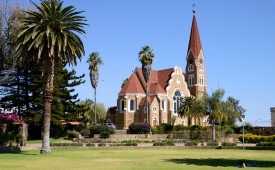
(165, 89)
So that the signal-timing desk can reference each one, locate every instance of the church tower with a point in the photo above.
(195, 68)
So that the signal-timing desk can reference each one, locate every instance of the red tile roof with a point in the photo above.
(194, 40)
(157, 83)
(133, 85)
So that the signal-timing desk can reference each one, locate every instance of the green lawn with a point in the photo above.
(138, 159)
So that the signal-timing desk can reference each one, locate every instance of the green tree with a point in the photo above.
(86, 114)
(101, 112)
(46, 35)
(237, 111)
(146, 57)
(94, 61)
(185, 108)
(215, 109)
(9, 29)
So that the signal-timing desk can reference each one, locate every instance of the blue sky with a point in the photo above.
(237, 39)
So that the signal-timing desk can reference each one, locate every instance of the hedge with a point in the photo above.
(249, 138)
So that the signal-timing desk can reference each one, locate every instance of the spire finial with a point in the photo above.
(194, 11)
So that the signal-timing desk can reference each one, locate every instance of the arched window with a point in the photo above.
(163, 105)
(201, 67)
(122, 105)
(132, 105)
(176, 100)
(190, 67)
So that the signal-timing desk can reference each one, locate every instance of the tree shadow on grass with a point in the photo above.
(19, 153)
(220, 162)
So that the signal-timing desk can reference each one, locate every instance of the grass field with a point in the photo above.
(143, 159)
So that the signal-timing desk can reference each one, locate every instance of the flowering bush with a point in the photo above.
(8, 118)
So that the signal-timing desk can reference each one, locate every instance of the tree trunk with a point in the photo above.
(95, 104)
(213, 130)
(146, 71)
(3, 128)
(24, 134)
(48, 78)
(94, 78)
(94, 81)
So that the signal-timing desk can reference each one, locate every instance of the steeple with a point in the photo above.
(195, 68)
(194, 41)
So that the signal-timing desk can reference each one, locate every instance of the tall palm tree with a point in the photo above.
(186, 108)
(46, 34)
(94, 61)
(146, 57)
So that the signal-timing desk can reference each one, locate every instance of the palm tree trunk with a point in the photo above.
(48, 67)
(213, 131)
(147, 115)
(95, 104)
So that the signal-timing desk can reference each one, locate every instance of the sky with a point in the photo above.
(237, 39)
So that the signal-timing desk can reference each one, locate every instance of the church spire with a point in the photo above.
(195, 68)
(194, 46)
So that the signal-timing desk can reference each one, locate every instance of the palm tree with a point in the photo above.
(94, 61)
(198, 110)
(215, 108)
(47, 34)
(186, 108)
(146, 57)
(86, 114)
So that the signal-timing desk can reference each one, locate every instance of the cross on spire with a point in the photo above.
(194, 11)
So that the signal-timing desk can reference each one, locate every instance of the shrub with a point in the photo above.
(131, 143)
(266, 144)
(56, 144)
(139, 128)
(154, 130)
(128, 143)
(164, 143)
(229, 144)
(181, 134)
(102, 144)
(249, 138)
(76, 144)
(65, 144)
(229, 131)
(100, 129)
(195, 127)
(193, 143)
(212, 144)
(85, 132)
(90, 144)
(72, 134)
(105, 134)
(181, 127)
